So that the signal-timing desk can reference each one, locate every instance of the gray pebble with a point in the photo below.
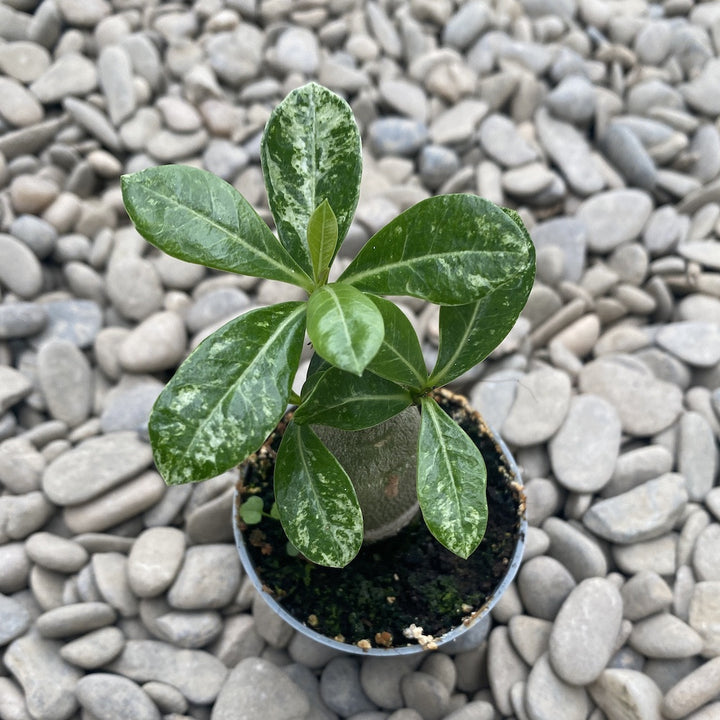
(502, 141)
(570, 236)
(572, 100)
(696, 343)
(405, 98)
(636, 466)
(458, 123)
(381, 677)
(115, 75)
(504, 667)
(46, 679)
(55, 552)
(128, 407)
(109, 696)
(614, 217)
(705, 557)
(642, 513)
(21, 515)
(224, 159)
(426, 694)
(544, 584)
(255, 688)
(65, 378)
(95, 466)
(437, 164)
(134, 287)
(665, 636)
(21, 465)
(530, 636)
(190, 629)
(702, 615)
(341, 689)
(155, 560)
(545, 692)
(697, 455)
(466, 25)
(397, 136)
(622, 692)
(214, 306)
(658, 555)
(78, 321)
(541, 405)
(99, 126)
(16, 567)
(270, 626)
(166, 697)
(570, 152)
(693, 691)
(157, 343)
(117, 505)
(14, 619)
(297, 50)
(95, 649)
(239, 640)
(197, 674)
(20, 270)
(705, 149)
(75, 619)
(14, 386)
(209, 578)
(644, 404)
(585, 631)
(585, 449)
(70, 74)
(645, 594)
(578, 552)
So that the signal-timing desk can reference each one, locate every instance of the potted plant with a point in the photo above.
(371, 437)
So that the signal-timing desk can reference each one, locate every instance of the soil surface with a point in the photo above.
(393, 584)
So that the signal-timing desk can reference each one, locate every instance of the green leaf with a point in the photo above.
(451, 481)
(469, 333)
(450, 250)
(349, 402)
(344, 326)
(318, 507)
(251, 510)
(322, 235)
(195, 216)
(310, 152)
(228, 395)
(400, 356)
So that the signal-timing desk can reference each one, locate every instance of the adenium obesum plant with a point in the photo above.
(386, 444)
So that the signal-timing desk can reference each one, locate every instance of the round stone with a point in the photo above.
(20, 270)
(258, 688)
(643, 513)
(585, 449)
(95, 649)
(107, 696)
(134, 287)
(626, 693)
(56, 553)
(95, 466)
(14, 619)
(155, 560)
(585, 631)
(546, 692)
(341, 689)
(665, 636)
(397, 136)
(614, 217)
(75, 619)
(71, 74)
(696, 343)
(157, 343)
(209, 578)
(578, 552)
(540, 407)
(544, 583)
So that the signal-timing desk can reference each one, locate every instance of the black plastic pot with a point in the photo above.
(472, 624)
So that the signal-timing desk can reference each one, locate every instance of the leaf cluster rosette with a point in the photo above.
(472, 258)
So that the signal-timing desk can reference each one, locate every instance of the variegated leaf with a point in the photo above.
(451, 481)
(195, 216)
(310, 152)
(318, 507)
(228, 395)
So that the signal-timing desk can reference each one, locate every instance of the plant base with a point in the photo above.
(405, 582)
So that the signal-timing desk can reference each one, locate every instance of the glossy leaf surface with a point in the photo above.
(450, 250)
(451, 481)
(400, 356)
(344, 326)
(228, 395)
(310, 152)
(195, 216)
(322, 236)
(318, 506)
(469, 333)
(351, 402)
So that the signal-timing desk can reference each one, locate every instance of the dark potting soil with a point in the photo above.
(392, 584)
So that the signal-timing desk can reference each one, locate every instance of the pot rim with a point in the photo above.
(442, 642)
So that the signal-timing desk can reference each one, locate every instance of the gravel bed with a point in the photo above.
(597, 119)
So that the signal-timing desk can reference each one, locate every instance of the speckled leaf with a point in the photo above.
(344, 326)
(310, 152)
(400, 356)
(228, 395)
(468, 333)
(450, 250)
(318, 507)
(195, 216)
(451, 481)
(349, 402)
(322, 235)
